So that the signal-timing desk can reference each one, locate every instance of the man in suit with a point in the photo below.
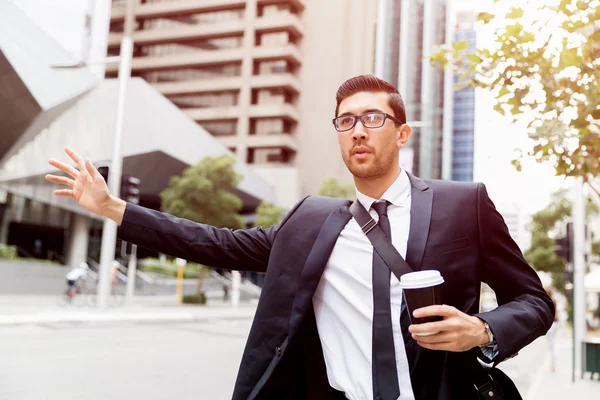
(330, 322)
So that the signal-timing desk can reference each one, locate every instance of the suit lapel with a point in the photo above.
(420, 219)
(316, 262)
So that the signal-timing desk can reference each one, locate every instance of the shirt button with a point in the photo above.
(278, 351)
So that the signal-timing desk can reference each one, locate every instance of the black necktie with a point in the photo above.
(385, 376)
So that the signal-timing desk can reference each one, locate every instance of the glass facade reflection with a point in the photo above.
(463, 132)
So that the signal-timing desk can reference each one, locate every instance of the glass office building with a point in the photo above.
(463, 130)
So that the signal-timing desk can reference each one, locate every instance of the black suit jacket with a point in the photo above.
(454, 228)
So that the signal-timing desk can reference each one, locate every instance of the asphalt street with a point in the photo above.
(121, 361)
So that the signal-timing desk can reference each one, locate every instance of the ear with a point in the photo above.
(404, 134)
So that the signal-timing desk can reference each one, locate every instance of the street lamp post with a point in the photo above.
(109, 232)
(579, 325)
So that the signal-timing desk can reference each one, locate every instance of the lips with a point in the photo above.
(360, 151)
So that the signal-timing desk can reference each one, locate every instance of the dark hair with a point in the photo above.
(370, 83)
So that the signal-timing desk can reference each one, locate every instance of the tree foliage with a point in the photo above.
(268, 214)
(204, 193)
(544, 68)
(332, 188)
(547, 225)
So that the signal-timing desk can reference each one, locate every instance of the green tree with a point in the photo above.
(204, 193)
(548, 224)
(543, 68)
(268, 215)
(332, 188)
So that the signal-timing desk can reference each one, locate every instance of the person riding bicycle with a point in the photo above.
(75, 278)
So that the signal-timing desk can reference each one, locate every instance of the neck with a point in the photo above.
(375, 187)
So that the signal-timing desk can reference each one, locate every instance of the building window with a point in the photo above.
(220, 128)
(189, 74)
(227, 99)
(268, 156)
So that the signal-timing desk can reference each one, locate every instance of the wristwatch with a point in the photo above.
(489, 333)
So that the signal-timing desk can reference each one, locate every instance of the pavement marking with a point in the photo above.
(537, 382)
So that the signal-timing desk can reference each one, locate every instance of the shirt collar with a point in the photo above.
(397, 193)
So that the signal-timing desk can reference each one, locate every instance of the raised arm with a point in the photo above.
(245, 250)
(87, 187)
(223, 248)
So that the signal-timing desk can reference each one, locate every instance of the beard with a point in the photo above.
(374, 166)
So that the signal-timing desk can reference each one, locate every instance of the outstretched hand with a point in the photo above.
(86, 185)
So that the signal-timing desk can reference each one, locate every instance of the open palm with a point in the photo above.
(86, 185)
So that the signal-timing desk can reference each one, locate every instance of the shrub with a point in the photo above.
(197, 298)
(8, 252)
(191, 270)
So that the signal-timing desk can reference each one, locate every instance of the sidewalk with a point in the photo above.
(20, 310)
(558, 385)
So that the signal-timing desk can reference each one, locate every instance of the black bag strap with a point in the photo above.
(486, 387)
(381, 243)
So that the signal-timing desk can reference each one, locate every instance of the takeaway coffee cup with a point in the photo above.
(422, 289)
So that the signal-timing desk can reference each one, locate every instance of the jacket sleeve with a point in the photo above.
(524, 311)
(244, 250)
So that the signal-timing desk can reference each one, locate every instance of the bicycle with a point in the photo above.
(88, 297)
(81, 296)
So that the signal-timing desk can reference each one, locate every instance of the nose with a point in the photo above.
(359, 132)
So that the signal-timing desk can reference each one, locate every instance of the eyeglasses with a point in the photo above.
(369, 120)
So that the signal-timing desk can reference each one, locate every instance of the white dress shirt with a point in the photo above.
(343, 301)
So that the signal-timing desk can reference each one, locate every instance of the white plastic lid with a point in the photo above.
(421, 279)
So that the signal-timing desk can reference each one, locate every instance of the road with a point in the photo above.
(121, 361)
(199, 360)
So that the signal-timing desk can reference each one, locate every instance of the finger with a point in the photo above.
(91, 169)
(447, 346)
(437, 310)
(64, 192)
(438, 326)
(75, 157)
(64, 167)
(442, 337)
(63, 180)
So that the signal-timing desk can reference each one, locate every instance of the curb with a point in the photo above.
(101, 316)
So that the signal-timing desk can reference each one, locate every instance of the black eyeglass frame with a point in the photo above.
(361, 116)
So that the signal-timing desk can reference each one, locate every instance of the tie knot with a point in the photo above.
(381, 207)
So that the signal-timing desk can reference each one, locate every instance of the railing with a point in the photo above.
(53, 255)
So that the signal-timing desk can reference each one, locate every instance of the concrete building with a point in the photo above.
(408, 31)
(259, 75)
(442, 118)
(254, 78)
(43, 108)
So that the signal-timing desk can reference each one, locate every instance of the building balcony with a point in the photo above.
(212, 113)
(230, 84)
(180, 34)
(276, 81)
(285, 111)
(289, 53)
(199, 86)
(186, 7)
(174, 8)
(186, 60)
(297, 5)
(280, 23)
(279, 141)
